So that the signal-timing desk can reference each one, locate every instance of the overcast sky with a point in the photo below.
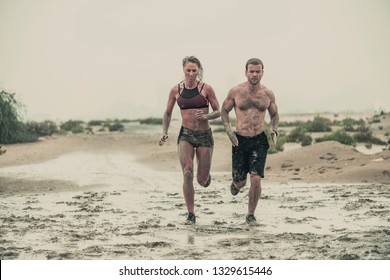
(97, 59)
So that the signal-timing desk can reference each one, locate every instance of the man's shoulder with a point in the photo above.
(266, 89)
(238, 88)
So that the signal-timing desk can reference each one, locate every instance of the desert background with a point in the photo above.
(88, 81)
(100, 194)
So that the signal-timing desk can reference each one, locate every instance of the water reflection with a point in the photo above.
(191, 238)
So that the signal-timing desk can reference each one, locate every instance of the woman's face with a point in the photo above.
(191, 71)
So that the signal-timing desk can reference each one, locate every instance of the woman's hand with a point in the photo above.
(200, 115)
(163, 139)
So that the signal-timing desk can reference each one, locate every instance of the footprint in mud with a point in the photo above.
(86, 201)
(207, 211)
(33, 208)
(287, 164)
(211, 194)
(62, 256)
(348, 257)
(329, 156)
(346, 238)
(299, 221)
(8, 253)
(235, 242)
(93, 251)
(298, 208)
(150, 223)
(173, 194)
(219, 229)
(355, 205)
(337, 229)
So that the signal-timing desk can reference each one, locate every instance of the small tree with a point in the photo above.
(319, 124)
(339, 136)
(12, 129)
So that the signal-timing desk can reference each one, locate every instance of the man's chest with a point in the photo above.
(259, 101)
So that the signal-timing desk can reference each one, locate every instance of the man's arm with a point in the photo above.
(227, 106)
(274, 114)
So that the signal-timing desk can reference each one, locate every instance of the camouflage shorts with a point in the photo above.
(196, 138)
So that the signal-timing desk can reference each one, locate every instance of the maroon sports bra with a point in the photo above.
(192, 98)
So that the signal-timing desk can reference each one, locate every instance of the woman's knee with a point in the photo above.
(188, 173)
(202, 179)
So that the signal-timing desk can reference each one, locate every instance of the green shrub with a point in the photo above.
(117, 126)
(296, 135)
(77, 129)
(319, 124)
(72, 126)
(375, 120)
(366, 137)
(89, 130)
(368, 145)
(125, 121)
(362, 128)
(45, 128)
(363, 137)
(306, 140)
(219, 130)
(12, 129)
(154, 121)
(351, 125)
(339, 136)
(291, 124)
(95, 123)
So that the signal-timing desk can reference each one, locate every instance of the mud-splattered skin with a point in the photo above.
(250, 107)
(250, 101)
(195, 137)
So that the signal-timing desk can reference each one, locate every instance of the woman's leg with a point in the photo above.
(186, 157)
(203, 156)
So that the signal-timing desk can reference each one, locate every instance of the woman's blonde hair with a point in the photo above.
(196, 61)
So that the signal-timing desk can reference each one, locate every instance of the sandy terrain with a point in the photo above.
(118, 196)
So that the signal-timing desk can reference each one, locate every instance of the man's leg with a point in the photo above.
(254, 193)
(239, 169)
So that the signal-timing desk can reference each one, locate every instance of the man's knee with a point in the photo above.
(255, 180)
(240, 184)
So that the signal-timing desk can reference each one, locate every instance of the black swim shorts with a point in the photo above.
(249, 156)
(196, 138)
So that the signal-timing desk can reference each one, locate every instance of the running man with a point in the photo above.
(250, 101)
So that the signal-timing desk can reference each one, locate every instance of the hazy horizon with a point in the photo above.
(84, 59)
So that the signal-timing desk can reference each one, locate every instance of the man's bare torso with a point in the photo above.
(251, 105)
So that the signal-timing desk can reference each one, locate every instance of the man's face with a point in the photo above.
(254, 74)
